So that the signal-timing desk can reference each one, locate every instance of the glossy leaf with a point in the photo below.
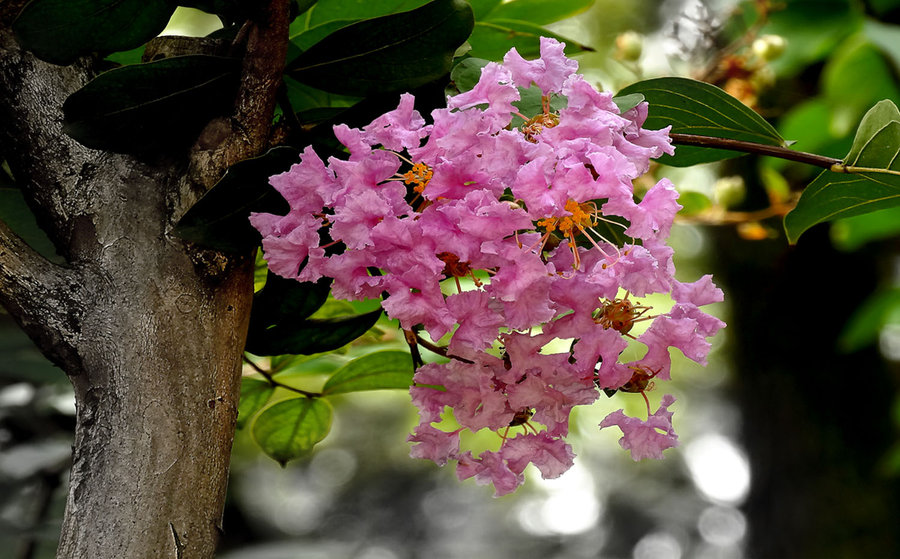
(693, 107)
(59, 31)
(313, 335)
(540, 12)
(357, 10)
(392, 53)
(284, 299)
(373, 371)
(291, 428)
(220, 221)
(148, 106)
(254, 395)
(492, 39)
(836, 195)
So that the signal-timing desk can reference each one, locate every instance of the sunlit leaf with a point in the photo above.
(291, 428)
(392, 53)
(59, 31)
(373, 371)
(628, 102)
(147, 106)
(836, 195)
(254, 395)
(694, 107)
(220, 220)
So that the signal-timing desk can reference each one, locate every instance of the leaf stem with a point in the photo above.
(271, 380)
(829, 163)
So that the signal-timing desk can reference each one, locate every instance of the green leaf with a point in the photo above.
(879, 117)
(853, 232)
(628, 102)
(220, 220)
(694, 107)
(291, 428)
(313, 335)
(483, 8)
(540, 12)
(59, 31)
(863, 327)
(373, 371)
(874, 186)
(154, 105)
(855, 77)
(18, 216)
(284, 299)
(332, 10)
(467, 73)
(391, 53)
(493, 38)
(254, 395)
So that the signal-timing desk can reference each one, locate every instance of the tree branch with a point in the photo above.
(829, 163)
(224, 142)
(42, 298)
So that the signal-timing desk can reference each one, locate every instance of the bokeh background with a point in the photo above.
(789, 437)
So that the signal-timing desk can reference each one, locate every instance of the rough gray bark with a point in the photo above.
(149, 329)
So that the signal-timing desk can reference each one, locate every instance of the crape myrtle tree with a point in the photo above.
(499, 225)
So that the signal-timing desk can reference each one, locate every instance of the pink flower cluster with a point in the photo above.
(486, 232)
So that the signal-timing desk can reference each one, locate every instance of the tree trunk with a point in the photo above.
(149, 330)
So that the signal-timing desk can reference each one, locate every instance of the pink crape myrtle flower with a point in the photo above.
(494, 237)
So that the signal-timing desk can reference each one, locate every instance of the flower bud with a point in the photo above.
(769, 47)
(629, 46)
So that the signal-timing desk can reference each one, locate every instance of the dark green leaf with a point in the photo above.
(154, 105)
(374, 371)
(59, 31)
(540, 12)
(291, 428)
(220, 221)
(18, 216)
(492, 39)
(693, 107)
(313, 335)
(391, 53)
(285, 299)
(875, 184)
(254, 395)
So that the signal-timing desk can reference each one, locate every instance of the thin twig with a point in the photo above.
(440, 350)
(271, 380)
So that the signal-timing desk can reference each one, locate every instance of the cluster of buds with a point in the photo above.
(490, 236)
